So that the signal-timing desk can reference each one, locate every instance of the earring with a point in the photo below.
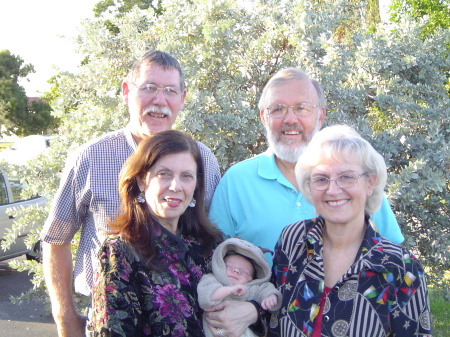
(141, 198)
(370, 193)
(192, 203)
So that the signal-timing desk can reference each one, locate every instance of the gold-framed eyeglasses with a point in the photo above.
(345, 180)
(150, 90)
(279, 110)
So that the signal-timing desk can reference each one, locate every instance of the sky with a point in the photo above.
(40, 32)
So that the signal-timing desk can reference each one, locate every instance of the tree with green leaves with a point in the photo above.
(16, 115)
(384, 80)
(12, 96)
(435, 13)
(105, 9)
(121, 7)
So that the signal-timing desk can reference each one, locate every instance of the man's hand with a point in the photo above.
(57, 264)
(233, 317)
(72, 326)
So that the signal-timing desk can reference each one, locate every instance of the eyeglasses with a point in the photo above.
(346, 180)
(300, 109)
(150, 90)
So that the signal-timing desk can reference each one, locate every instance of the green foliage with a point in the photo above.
(108, 8)
(16, 115)
(29, 216)
(402, 80)
(440, 311)
(125, 6)
(440, 305)
(435, 12)
(41, 178)
(386, 82)
(12, 96)
(12, 67)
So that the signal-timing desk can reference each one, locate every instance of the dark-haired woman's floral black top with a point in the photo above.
(127, 300)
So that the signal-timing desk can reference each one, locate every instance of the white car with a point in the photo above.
(10, 197)
(25, 149)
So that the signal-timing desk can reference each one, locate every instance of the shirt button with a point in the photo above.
(299, 203)
(336, 289)
(325, 319)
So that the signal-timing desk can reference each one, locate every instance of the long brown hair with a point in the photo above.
(136, 224)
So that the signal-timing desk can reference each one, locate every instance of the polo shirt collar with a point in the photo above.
(268, 169)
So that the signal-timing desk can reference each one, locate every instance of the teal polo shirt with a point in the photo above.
(255, 201)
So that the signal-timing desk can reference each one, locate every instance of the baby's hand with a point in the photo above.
(269, 302)
(239, 289)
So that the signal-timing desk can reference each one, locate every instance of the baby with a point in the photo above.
(239, 272)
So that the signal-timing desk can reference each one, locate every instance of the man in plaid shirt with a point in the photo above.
(88, 197)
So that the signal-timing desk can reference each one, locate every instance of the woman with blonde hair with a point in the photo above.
(338, 276)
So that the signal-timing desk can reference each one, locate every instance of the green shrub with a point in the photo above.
(386, 82)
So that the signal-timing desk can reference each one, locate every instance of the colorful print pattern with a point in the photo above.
(384, 292)
(127, 300)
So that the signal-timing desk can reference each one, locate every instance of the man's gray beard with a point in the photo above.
(288, 152)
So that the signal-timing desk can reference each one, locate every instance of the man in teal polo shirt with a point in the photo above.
(258, 197)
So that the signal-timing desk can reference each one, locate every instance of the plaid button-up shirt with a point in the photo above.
(88, 197)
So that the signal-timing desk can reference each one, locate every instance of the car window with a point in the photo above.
(16, 189)
(3, 191)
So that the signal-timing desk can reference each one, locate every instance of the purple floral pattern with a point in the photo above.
(127, 300)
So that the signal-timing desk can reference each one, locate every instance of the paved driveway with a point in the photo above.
(26, 319)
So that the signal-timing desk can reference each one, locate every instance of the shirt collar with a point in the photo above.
(314, 237)
(129, 137)
(370, 257)
(269, 170)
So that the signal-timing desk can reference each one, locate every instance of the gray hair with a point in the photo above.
(161, 58)
(287, 75)
(344, 144)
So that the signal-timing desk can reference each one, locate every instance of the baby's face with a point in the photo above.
(239, 269)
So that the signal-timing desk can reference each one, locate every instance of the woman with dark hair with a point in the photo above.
(160, 247)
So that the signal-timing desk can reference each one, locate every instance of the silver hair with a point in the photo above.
(288, 75)
(344, 144)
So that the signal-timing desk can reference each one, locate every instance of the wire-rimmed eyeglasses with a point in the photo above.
(345, 180)
(280, 110)
(150, 90)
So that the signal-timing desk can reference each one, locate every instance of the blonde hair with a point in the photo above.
(343, 144)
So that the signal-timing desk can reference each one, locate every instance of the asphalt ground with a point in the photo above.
(21, 320)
